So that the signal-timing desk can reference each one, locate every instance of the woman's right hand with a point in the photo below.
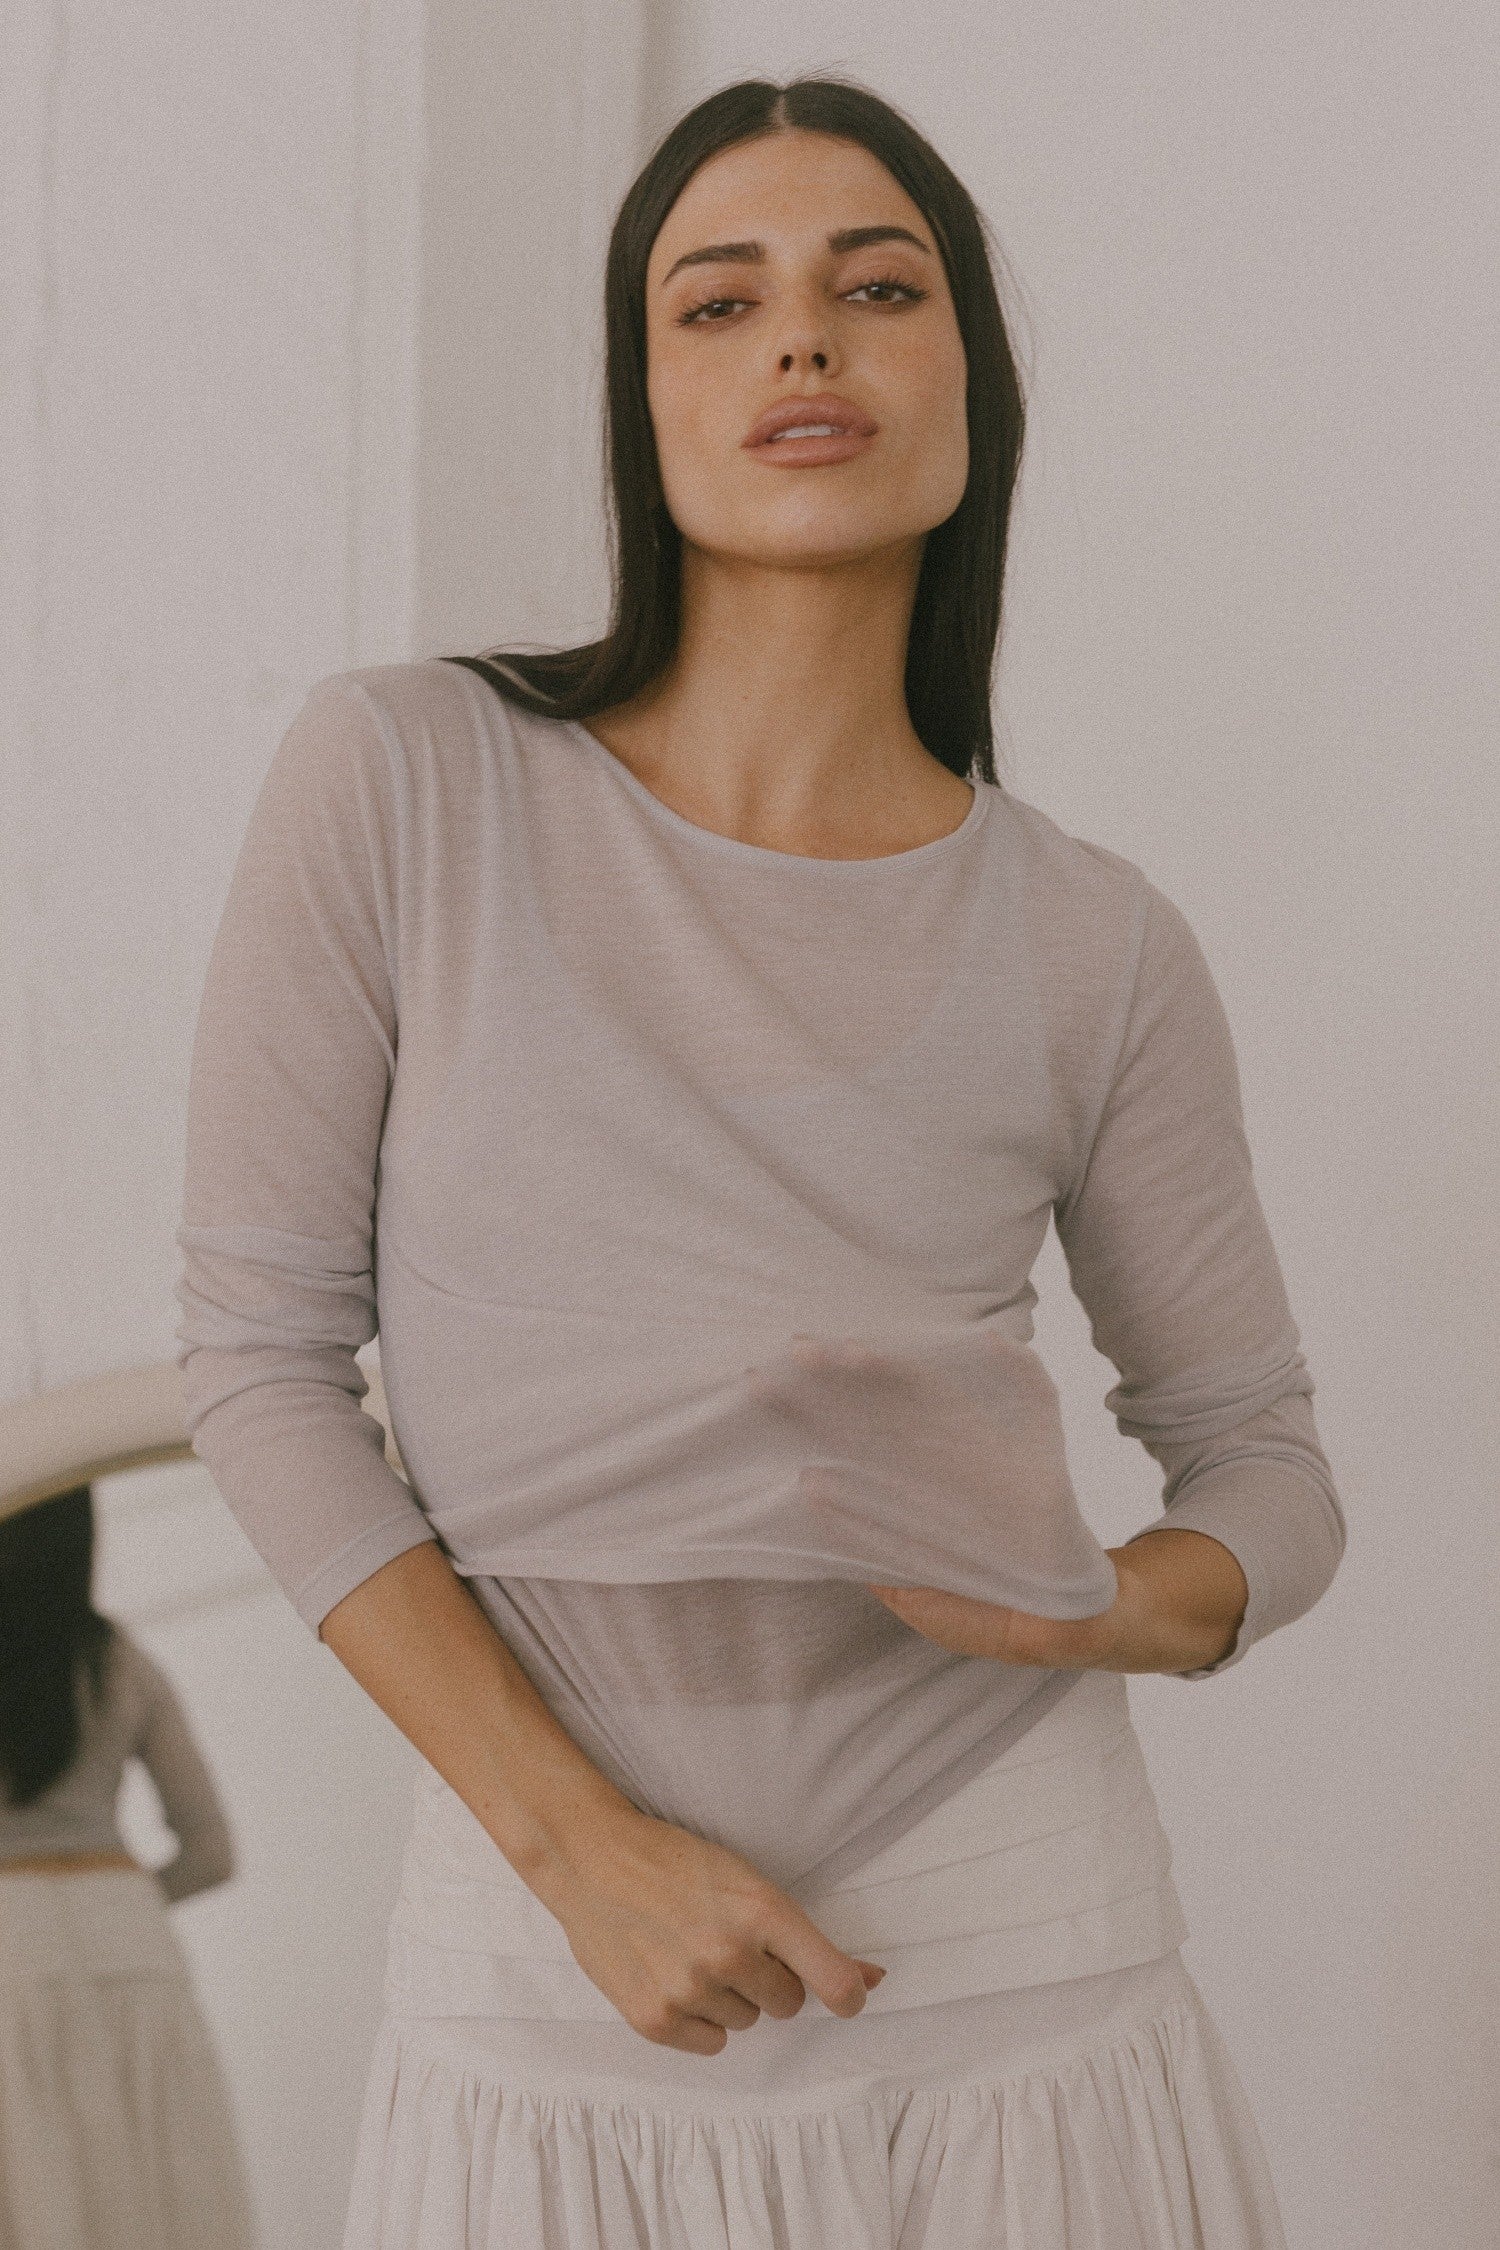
(685, 1938)
(688, 1940)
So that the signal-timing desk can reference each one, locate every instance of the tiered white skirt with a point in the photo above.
(1001, 2091)
(115, 2126)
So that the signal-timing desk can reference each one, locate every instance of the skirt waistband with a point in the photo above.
(92, 1923)
(1051, 1863)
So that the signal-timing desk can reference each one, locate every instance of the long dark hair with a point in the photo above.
(50, 1634)
(956, 616)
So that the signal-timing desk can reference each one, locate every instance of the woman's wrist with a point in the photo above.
(418, 1642)
(553, 1822)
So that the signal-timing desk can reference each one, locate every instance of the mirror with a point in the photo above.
(286, 1956)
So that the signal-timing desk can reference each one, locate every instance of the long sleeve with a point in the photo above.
(1169, 1253)
(190, 1804)
(293, 1060)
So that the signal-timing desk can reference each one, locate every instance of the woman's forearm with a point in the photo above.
(421, 1647)
(687, 1940)
(1198, 1594)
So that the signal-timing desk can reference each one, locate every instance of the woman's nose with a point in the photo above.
(808, 354)
(803, 336)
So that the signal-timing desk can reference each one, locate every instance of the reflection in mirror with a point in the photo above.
(113, 2104)
(182, 1887)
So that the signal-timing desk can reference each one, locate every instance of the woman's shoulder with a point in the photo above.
(415, 733)
(1094, 915)
(1069, 864)
(1078, 896)
(375, 705)
(409, 697)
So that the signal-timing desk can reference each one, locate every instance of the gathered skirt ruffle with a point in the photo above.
(1103, 2113)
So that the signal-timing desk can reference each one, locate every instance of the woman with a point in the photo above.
(114, 2125)
(767, 1673)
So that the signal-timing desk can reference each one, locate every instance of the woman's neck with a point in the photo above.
(782, 720)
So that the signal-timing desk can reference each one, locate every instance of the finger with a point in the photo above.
(1017, 1636)
(722, 2004)
(1009, 1636)
(692, 2035)
(970, 1628)
(935, 1609)
(781, 1994)
(770, 1984)
(834, 1976)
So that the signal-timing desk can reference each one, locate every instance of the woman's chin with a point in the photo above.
(810, 536)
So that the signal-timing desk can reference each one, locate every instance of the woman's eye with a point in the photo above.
(693, 315)
(708, 305)
(908, 288)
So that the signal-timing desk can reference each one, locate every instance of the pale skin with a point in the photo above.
(782, 722)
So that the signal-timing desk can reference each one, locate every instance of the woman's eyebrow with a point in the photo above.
(753, 253)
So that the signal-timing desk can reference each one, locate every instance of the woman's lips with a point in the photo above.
(810, 452)
(846, 430)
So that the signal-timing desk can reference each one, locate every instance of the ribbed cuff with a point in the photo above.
(1275, 1519)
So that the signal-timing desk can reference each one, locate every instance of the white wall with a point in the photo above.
(210, 257)
(1251, 644)
(207, 465)
(534, 135)
(292, 381)
(301, 364)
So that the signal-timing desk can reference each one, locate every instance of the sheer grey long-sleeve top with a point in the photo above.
(591, 1113)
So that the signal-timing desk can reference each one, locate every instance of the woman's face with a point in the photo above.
(781, 314)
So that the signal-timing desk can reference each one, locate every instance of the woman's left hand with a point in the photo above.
(1180, 1605)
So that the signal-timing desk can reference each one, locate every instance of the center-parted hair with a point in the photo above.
(956, 615)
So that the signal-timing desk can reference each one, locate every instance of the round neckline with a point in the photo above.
(711, 837)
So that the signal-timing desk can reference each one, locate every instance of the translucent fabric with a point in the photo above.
(803, 1726)
(591, 1113)
(1051, 1862)
(706, 1700)
(940, 1466)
